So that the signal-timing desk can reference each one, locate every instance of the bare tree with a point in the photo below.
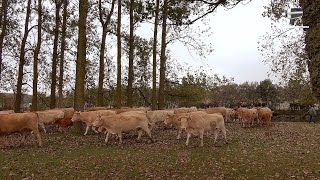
(62, 53)
(18, 98)
(131, 48)
(55, 56)
(34, 106)
(3, 26)
(81, 57)
(118, 93)
(104, 24)
(163, 56)
(154, 57)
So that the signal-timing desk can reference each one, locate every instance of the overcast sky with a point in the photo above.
(236, 34)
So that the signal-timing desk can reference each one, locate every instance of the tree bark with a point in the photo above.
(154, 58)
(54, 56)
(311, 18)
(18, 99)
(81, 57)
(3, 25)
(118, 93)
(163, 57)
(131, 48)
(34, 106)
(63, 46)
(104, 24)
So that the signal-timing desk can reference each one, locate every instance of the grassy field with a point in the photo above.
(282, 151)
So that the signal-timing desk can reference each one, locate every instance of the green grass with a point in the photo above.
(281, 151)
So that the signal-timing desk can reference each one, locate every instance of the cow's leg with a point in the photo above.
(24, 136)
(188, 136)
(140, 132)
(37, 133)
(152, 124)
(179, 133)
(94, 129)
(107, 138)
(201, 137)
(100, 129)
(224, 132)
(215, 135)
(120, 138)
(87, 129)
(148, 131)
(43, 127)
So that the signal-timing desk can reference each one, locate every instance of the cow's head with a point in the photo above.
(98, 122)
(76, 116)
(170, 119)
(184, 120)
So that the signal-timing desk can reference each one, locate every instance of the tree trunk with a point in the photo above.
(118, 93)
(154, 58)
(3, 25)
(18, 99)
(100, 96)
(63, 46)
(163, 56)
(311, 18)
(131, 48)
(81, 57)
(34, 106)
(54, 57)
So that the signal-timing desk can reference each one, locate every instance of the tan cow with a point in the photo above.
(174, 119)
(184, 110)
(221, 110)
(230, 115)
(19, 122)
(198, 123)
(124, 122)
(158, 116)
(87, 117)
(247, 116)
(49, 116)
(264, 115)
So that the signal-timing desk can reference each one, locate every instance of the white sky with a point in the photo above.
(236, 34)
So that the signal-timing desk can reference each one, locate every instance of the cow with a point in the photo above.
(230, 115)
(157, 116)
(264, 115)
(198, 123)
(49, 116)
(87, 117)
(184, 110)
(226, 112)
(65, 122)
(124, 122)
(174, 119)
(21, 122)
(247, 116)
(105, 113)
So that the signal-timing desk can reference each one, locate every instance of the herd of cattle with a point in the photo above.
(116, 121)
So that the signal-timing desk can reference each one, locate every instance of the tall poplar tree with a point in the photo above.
(34, 106)
(18, 99)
